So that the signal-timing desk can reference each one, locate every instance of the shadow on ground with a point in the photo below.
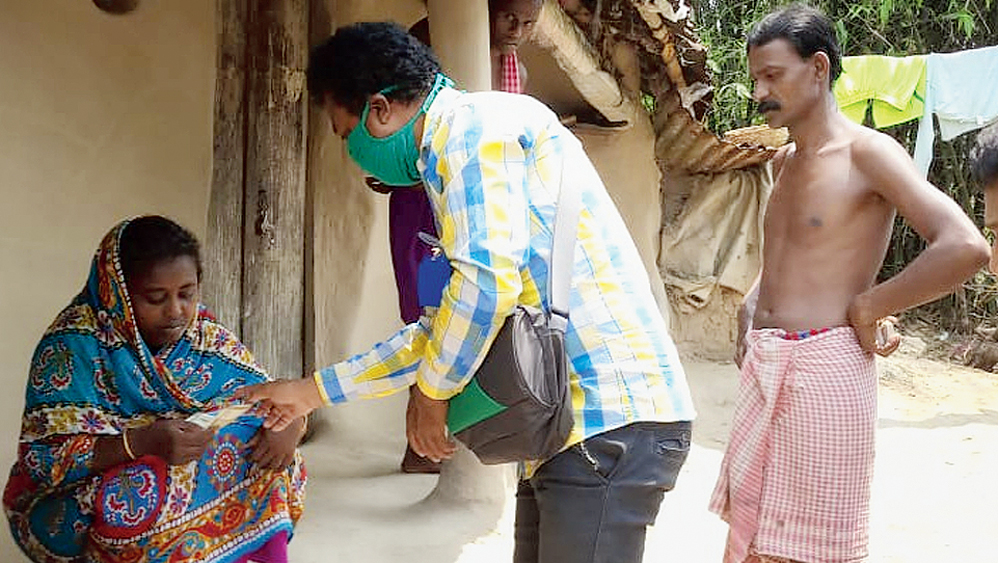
(985, 416)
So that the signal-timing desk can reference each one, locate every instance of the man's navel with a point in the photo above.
(814, 221)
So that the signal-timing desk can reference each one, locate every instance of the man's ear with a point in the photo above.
(822, 66)
(381, 108)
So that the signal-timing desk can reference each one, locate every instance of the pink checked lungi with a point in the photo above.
(510, 68)
(795, 480)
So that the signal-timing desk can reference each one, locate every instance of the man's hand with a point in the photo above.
(176, 441)
(877, 336)
(888, 338)
(740, 351)
(746, 312)
(271, 449)
(426, 426)
(744, 325)
(381, 188)
(281, 402)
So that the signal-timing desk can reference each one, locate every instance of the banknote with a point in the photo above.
(219, 418)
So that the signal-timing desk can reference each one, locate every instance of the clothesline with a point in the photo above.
(958, 88)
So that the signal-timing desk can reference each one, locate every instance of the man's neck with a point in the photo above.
(417, 128)
(817, 127)
(498, 51)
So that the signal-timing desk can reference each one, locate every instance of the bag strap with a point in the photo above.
(566, 223)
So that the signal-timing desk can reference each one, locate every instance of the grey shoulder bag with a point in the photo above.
(517, 406)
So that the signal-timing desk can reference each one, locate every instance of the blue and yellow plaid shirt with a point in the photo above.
(492, 164)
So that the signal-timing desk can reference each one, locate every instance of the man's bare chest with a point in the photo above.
(809, 208)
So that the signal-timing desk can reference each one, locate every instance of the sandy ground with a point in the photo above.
(934, 495)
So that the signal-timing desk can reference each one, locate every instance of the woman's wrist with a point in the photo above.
(138, 436)
(126, 445)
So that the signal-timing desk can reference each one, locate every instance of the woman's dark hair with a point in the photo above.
(363, 59)
(804, 27)
(984, 156)
(151, 239)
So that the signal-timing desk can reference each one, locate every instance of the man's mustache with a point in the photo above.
(767, 106)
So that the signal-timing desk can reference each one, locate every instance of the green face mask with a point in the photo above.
(391, 159)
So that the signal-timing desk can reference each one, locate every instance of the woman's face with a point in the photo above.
(165, 300)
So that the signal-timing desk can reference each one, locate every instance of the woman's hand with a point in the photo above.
(270, 449)
(281, 402)
(744, 326)
(176, 441)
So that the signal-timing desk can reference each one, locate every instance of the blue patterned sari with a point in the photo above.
(92, 375)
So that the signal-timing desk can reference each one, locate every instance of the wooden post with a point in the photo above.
(319, 28)
(459, 31)
(274, 213)
(223, 244)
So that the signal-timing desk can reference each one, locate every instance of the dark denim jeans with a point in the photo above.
(593, 502)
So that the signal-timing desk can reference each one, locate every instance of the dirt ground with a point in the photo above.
(934, 493)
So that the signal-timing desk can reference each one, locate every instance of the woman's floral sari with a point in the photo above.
(92, 375)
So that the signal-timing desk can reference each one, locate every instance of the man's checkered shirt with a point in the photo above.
(493, 164)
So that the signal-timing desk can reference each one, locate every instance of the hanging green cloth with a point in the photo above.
(894, 85)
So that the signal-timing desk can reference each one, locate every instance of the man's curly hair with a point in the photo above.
(363, 59)
(984, 156)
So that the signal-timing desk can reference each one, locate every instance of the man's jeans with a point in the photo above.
(593, 502)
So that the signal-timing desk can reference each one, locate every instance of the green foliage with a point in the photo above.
(865, 27)
(648, 102)
(872, 27)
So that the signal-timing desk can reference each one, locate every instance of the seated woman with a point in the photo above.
(108, 467)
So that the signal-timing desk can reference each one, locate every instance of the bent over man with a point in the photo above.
(493, 165)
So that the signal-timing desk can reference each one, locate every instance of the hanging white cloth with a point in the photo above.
(961, 93)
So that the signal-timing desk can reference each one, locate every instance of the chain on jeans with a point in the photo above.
(589, 457)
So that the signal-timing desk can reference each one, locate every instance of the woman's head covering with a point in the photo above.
(92, 372)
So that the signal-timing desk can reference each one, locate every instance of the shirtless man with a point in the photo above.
(795, 480)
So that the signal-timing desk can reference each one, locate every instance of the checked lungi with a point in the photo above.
(795, 479)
